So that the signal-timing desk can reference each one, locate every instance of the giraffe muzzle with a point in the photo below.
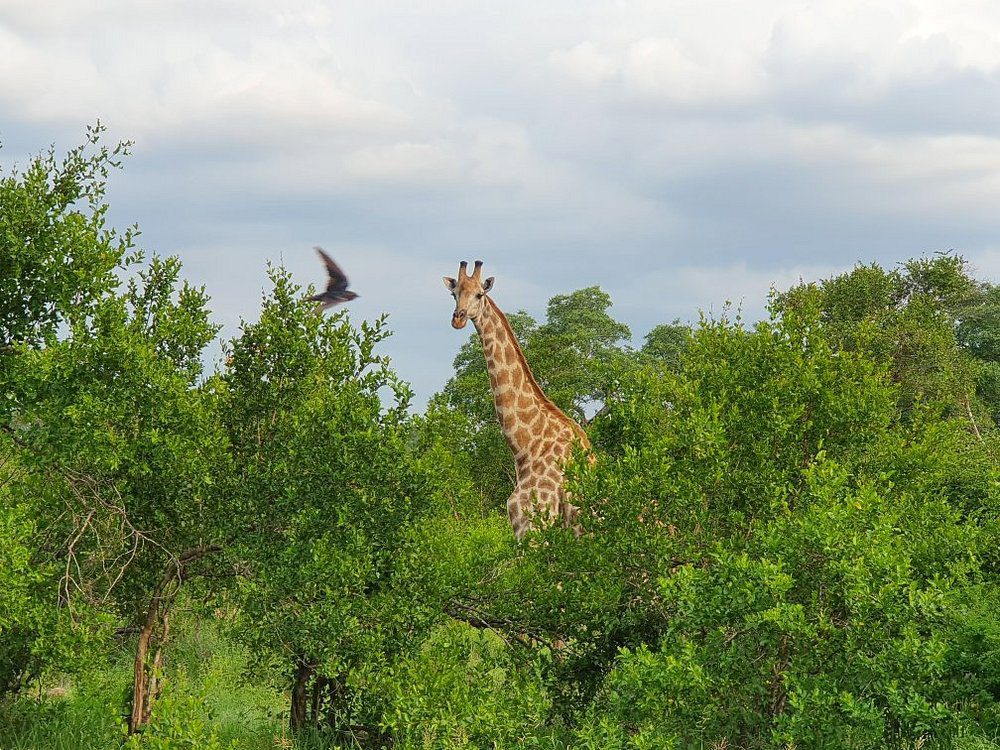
(459, 319)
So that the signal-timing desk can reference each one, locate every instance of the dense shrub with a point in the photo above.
(776, 556)
(464, 688)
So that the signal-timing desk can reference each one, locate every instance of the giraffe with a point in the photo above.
(539, 434)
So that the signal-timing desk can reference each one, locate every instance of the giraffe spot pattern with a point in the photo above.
(538, 434)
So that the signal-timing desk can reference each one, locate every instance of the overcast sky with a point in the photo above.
(679, 154)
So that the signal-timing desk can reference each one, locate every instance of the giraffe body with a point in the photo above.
(539, 434)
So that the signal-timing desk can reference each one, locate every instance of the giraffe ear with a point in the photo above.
(450, 283)
(488, 284)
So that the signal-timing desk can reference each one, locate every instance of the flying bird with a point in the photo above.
(336, 289)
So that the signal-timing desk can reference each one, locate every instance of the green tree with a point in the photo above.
(576, 348)
(121, 448)
(776, 555)
(115, 441)
(666, 343)
(29, 623)
(929, 319)
(337, 505)
(979, 333)
(57, 254)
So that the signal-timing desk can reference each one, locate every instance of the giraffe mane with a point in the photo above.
(544, 400)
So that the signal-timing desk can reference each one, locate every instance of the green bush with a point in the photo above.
(857, 620)
(776, 557)
(464, 688)
(180, 721)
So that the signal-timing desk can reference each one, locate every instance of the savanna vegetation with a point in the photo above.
(792, 529)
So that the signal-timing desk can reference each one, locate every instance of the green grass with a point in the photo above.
(79, 720)
(207, 703)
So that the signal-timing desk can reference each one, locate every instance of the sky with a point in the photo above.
(678, 154)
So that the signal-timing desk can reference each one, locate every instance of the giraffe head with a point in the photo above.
(469, 292)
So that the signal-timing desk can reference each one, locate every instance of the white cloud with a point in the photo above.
(664, 70)
(587, 63)
(153, 73)
(725, 145)
(405, 162)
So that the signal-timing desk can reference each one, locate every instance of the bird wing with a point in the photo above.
(338, 280)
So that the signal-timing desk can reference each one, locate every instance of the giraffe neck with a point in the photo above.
(521, 406)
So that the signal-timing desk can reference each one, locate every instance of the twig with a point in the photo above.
(468, 614)
(972, 419)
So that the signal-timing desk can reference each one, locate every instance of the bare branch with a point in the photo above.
(502, 627)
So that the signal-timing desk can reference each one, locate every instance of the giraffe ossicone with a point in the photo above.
(540, 435)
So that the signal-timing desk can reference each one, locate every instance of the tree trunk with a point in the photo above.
(297, 715)
(142, 694)
(147, 673)
(317, 699)
(156, 673)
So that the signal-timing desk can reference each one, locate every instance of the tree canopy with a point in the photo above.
(790, 532)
